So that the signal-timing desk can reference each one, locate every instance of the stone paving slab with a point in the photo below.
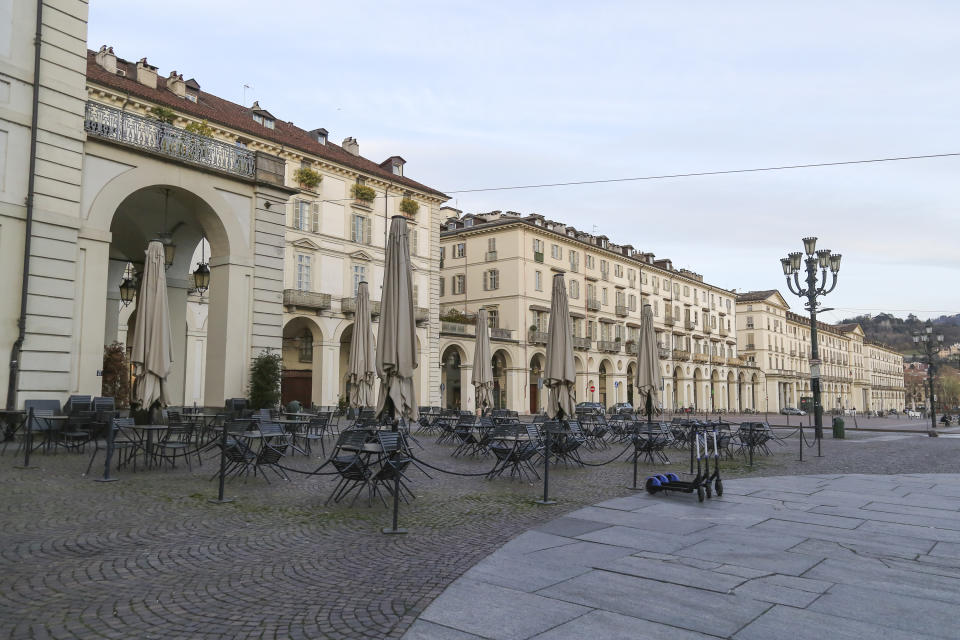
(851, 557)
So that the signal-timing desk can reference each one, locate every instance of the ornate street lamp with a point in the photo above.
(128, 290)
(201, 275)
(931, 345)
(825, 260)
(166, 237)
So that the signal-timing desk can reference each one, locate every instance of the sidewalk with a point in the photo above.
(799, 557)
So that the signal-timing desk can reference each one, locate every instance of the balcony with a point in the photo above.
(751, 347)
(663, 352)
(631, 348)
(734, 362)
(497, 333)
(294, 300)
(490, 256)
(421, 315)
(707, 328)
(681, 354)
(724, 332)
(688, 325)
(605, 275)
(457, 328)
(749, 325)
(622, 310)
(537, 337)
(151, 135)
(583, 344)
(538, 256)
(701, 357)
(349, 306)
(593, 304)
(669, 321)
(608, 346)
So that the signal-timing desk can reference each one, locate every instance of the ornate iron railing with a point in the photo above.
(152, 135)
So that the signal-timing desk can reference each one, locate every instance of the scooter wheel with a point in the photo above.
(708, 490)
(652, 485)
(673, 477)
(700, 493)
(718, 487)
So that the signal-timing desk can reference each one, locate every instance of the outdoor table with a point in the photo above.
(148, 431)
(292, 414)
(53, 424)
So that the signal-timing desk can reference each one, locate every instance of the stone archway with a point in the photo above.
(534, 383)
(696, 389)
(301, 381)
(631, 381)
(501, 362)
(452, 363)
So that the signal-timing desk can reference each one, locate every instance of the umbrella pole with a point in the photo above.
(223, 467)
(546, 470)
(108, 454)
(28, 442)
(396, 494)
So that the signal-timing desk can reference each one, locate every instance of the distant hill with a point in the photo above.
(898, 332)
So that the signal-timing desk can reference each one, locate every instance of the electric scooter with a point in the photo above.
(672, 482)
(715, 477)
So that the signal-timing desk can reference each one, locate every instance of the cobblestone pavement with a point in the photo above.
(788, 557)
(150, 557)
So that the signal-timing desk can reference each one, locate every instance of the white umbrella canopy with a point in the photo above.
(152, 355)
(362, 359)
(397, 338)
(482, 364)
(649, 378)
(559, 374)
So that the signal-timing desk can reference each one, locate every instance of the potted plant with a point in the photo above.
(307, 178)
(533, 328)
(409, 206)
(164, 115)
(363, 193)
(201, 128)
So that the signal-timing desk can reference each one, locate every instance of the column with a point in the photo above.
(177, 306)
(316, 373)
(330, 388)
(228, 330)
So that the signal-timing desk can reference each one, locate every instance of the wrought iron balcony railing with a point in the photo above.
(538, 337)
(608, 346)
(491, 256)
(681, 354)
(621, 310)
(581, 343)
(593, 304)
(663, 352)
(165, 139)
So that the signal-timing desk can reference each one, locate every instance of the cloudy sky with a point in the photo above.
(490, 94)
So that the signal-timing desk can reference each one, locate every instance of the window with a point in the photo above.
(591, 291)
(360, 229)
(537, 245)
(604, 266)
(676, 289)
(686, 291)
(442, 283)
(303, 273)
(538, 280)
(306, 216)
(359, 273)
(656, 285)
(264, 120)
(621, 298)
(459, 284)
(589, 261)
(632, 302)
(412, 239)
(305, 346)
(556, 252)
(592, 330)
(656, 308)
(618, 270)
(574, 290)
(493, 318)
(491, 280)
(603, 295)
(541, 320)
(491, 244)
(574, 261)
(460, 250)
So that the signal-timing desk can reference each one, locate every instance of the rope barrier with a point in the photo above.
(600, 464)
(447, 471)
(315, 472)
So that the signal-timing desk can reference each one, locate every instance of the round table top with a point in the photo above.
(148, 427)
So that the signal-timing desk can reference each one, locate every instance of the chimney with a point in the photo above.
(146, 74)
(107, 59)
(351, 146)
(176, 84)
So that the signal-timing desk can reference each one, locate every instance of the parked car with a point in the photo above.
(913, 413)
(590, 407)
(621, 407)
(792, 411)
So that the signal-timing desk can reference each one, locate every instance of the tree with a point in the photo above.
(265, 381)
(116, 375)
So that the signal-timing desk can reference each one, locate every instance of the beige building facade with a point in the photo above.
(855, 372)
(506, 262)
(125, 153)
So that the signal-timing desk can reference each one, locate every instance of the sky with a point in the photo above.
(490, 94)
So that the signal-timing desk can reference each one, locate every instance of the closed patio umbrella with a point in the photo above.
(362, 357)
(559, 375)
(482, 364)
(152, 356)
(397, 339)
(649, 378)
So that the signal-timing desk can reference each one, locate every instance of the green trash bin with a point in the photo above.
(838, 433)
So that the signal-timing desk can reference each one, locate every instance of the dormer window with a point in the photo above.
(394, 164)
(262, 116)
(320, 135)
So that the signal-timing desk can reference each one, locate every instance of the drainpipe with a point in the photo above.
(28, 231)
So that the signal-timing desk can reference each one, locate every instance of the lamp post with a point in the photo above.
(931, 346)
(823, 260)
